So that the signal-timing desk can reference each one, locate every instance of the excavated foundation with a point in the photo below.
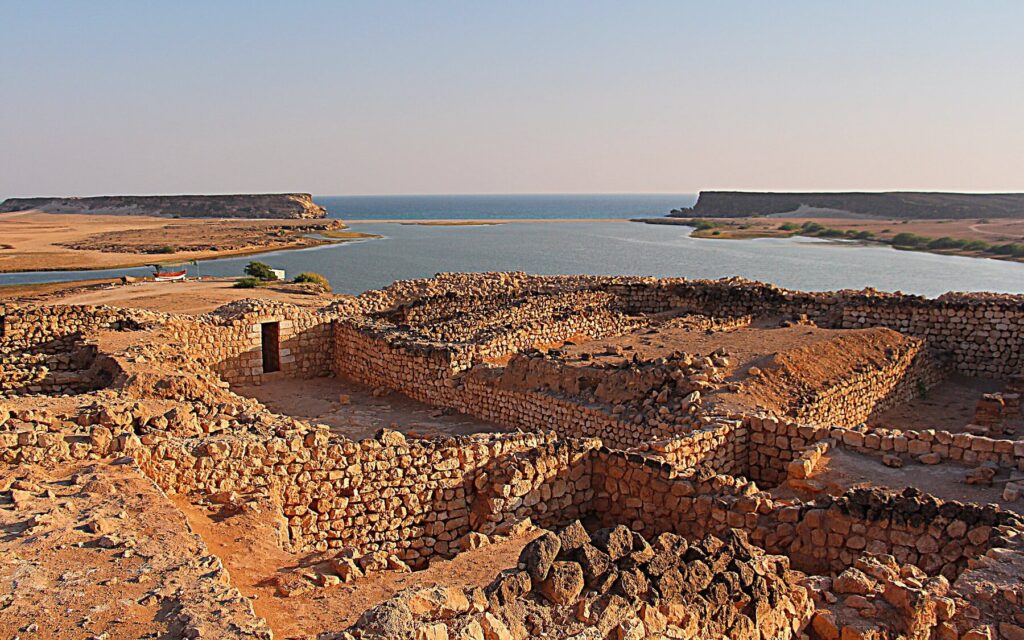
(676, 438)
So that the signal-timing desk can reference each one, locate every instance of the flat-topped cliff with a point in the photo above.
(893, 204)
(258, 205)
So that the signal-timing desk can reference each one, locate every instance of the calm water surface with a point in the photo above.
(491, 207)
(612, 248)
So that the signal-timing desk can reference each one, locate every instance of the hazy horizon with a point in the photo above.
(449, 98)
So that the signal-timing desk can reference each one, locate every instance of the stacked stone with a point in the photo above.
(879, 598)
(855, 398)
(804, 465)
(46, 329)
(915, 528)
(995, 410)
(933, 446)
(775, 443)
(548, 485)
(721, 445)
(612, 584)
(652, 496)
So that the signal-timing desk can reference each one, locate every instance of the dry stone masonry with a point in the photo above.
(656, 428)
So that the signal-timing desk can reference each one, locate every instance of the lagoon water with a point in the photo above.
(611, 248)
(571, 206)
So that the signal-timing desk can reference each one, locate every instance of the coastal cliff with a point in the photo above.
(263, 205)
(894, 204)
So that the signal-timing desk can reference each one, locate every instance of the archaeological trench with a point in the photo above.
(657, 458)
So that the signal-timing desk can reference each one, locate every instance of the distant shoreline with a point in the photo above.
(454, 222)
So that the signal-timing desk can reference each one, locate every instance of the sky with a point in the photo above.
(387, 97)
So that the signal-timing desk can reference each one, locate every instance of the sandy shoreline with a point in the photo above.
(34, 241)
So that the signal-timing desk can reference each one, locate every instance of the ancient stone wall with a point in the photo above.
(229, 340)
(982, 332)
(408, 497)
(47, 329)
(854, 399)
(821, 536)
(428, 373)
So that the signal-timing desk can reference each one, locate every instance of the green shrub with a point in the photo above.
(945, 242)
(976, 245)
(831, 233)
(1010, 249)
(789, 226)
(812, 227)
(910, 240)
(864, 235)
(247, 283)
(260, 270)
(314, 278)
(702, 225)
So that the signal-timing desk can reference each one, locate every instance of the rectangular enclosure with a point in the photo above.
(270, 340)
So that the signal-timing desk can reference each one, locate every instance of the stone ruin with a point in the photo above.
(659, 442)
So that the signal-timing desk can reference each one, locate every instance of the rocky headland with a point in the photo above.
(263, 205)
(893, 204)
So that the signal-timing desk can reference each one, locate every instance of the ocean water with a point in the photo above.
(490, 207)
(610, 248)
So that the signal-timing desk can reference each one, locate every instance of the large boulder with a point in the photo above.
(616, 541)
(538, 556)
(564, 583)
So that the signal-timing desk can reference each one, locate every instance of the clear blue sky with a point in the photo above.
(509, 97)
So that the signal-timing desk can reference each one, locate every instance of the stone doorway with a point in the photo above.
(270, 340)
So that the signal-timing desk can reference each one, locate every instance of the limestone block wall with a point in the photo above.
(937, 536)
(777, 441)
(982, 332)
(722, 445)
(822, 536)
(408, 497)
(427, 374)
(229, 340)
(962, 448)
(651, 497)
(550, 485)
(854, 399)
(418, 499)
(45, 329)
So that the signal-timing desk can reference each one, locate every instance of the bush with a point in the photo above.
(864, 235)
(831, 233)
(702, 225)
(977, 245)
(314, 278)
(945, 242)
(789, 226)
(247, 283)
(260, 270)
(812, 227)
(166, 249)
(1009, 249)
(910, 240)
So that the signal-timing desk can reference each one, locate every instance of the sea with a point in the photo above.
(596, 240)
(491, 207)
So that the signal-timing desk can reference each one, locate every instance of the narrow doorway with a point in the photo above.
(270, 335)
